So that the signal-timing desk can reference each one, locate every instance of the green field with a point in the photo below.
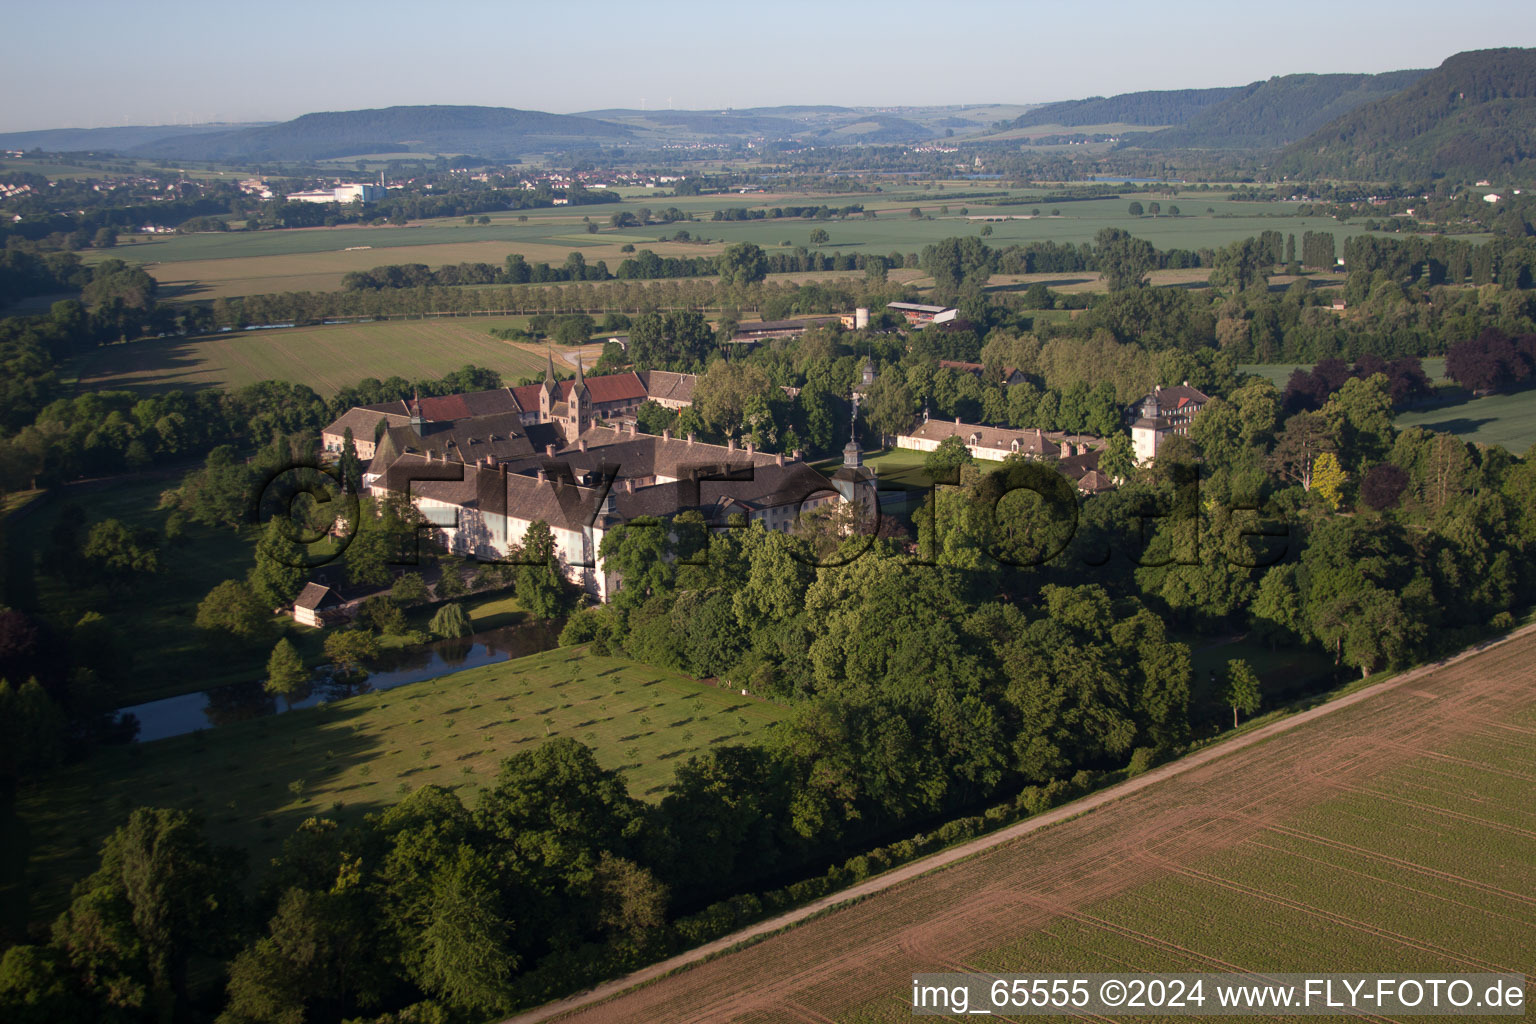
(1279, 373)
(1502, 419)
(254, 781)
(326, 358)
(1507, 419)
(212, 264)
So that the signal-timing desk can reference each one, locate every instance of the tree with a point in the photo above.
(1383, 486)
(1306, 435)
(286, 675)
(320, 951)
(348, 649)
(1328, 479)
(461, 953)
(725, 392)
(742, 264)
(349, 465)
(678, 340)
(233, 609)
(819, 236)
(161, 894)
(574, 329)
(1241, 690)
(1118, 460)
(409, 589)
(1240, 266)
(450, 622)
(889, 408)
(1134, 210)
(956, 262)
(118, 552)
(944, 462)
(538, 583)
(1123, 261)
(280, 572)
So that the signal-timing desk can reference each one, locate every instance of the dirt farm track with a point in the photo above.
(1392, 829)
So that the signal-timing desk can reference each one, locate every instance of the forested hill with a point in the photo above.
(482, 131)
(1165, 107)
(1277, 112)
(76, 140)
(1472, 117)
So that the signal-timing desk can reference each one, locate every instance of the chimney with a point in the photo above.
(1186, 383)
(778, 460)
(1066, 449)
(730, 444)
(751, 449)
(549, 451)
(539, 475)
(581, 444)
(1082, 448)
(666, 433)
(629, 428)
(690, 437)
(798, 455)
(957, 421)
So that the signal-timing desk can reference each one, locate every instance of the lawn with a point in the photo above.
(1507, 419)
(254, 781)
(327, 358)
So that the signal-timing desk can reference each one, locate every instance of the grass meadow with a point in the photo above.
(327, 358)
(1507, 419)
(254, 781)
(209, 265)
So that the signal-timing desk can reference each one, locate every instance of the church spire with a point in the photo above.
(549, 369)
(580, 380)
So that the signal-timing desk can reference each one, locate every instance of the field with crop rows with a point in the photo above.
(1394, 834)
(326, 358)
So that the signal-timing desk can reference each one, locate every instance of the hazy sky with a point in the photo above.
(87, 63)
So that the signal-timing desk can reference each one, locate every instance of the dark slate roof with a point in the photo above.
(677, 387)
(712, 478)
(363, 421)
(501, 436)
(1031, 442)
(315, 596)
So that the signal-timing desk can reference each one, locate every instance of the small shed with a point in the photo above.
(317, 605)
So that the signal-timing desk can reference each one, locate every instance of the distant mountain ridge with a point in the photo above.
(1152, 109)
(482, 131)
(1473, 116)
(80, 140)
(1273, 113)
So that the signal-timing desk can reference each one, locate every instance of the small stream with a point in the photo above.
(237, 702)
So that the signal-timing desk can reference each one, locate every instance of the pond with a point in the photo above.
(237, 702)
